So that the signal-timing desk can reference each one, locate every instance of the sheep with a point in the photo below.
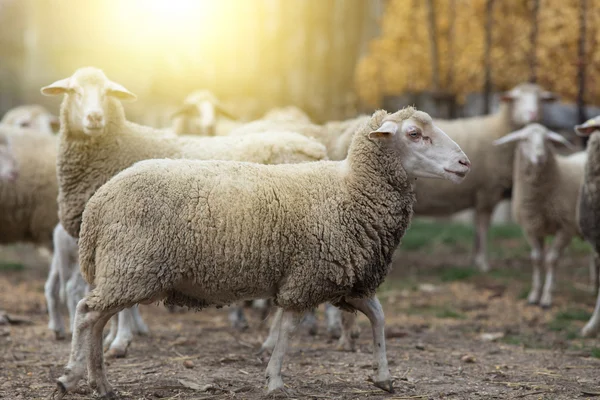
(31, 116)
(483, 190)
(198, 116)
(287, 114)
(97, 141)
(545, 199)
(9, 168)
(300, 234)
(588, 206)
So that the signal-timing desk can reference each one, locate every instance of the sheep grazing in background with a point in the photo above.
(589, 208)
(9, 168)
(286, 114)
(199, 115)
(300, 234)
(545, 200)
(97, 141)
(31, 116)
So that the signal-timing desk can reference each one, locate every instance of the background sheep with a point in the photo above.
(545, 200)
(96, 142)
(31, 116)
(199, 115)
(287, 114)
(9, 170)
(359, 207)
(589, 208)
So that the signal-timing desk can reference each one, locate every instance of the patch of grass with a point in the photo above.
(572, 334)
(580, 246)
(451, 274)
(506, 231)
(523, 294)
(595, 352)
(449, 313)
(425, 234)
(512, 339)
(11, 266)
(574, 314)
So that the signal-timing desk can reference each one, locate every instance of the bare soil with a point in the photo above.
(436, 314)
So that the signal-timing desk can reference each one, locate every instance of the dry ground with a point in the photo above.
(436, 313)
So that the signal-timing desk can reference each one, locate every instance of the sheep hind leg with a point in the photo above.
(140, 326)
(561, 240)
(536, 256)
(371, 307)
(51, 291)
(347, 340)
(482, 226)
(288, 323)
(96, 371)
(85, 319)
(112, 333)
(269, 344)
(237, 318)
(118, 347)
(593, 325)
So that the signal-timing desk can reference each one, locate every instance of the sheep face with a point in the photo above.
(199, 113)
(534, 142)
(424, 149)
(526, 103)
(33, 117)
(87, 95)
(588, 127)
(9, 170)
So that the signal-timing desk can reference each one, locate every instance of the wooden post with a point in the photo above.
(487, 86)
(533, 41)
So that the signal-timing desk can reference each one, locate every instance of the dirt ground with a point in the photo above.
(437, 315)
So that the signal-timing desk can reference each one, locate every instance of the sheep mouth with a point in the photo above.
(457, 173)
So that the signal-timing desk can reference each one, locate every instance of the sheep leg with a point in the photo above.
(310, 322)
(371, 307)
(112, 333)
(76, 288)
(288, 323)
(482, 226)
(139, 326)
(561, 240)
(334, 321)
(269, 344)
(593, 325)
(347, 340)
(76, 367)
(52, 293)
(595, 271)
(237, 318)
(536, 256)
(96, 372)
(118, 347)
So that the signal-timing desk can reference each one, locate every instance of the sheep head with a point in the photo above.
(9, 170)
(525, 102)
(588, 127)
(200, 110)
(87, 95)
(425, 150)
(32, 116)
(534, 142)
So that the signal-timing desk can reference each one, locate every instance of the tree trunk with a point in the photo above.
(533, 41)
(581, 62)
(433, 46)
(487, 89)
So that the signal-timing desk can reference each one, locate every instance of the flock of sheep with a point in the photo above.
(216, 212)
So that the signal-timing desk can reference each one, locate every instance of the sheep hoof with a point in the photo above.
(59, 391)
(334, 332)
(115, 353)
(58, 335)
(385, 385)
(588, 331)
(110, 395)
(346, 345)
(280, 393)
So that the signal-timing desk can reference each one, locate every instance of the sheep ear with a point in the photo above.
(548, 96)
(588, 127)
(220, 108)
(59, 87)
(511, 137)
(387, 129)
(555, 137)
(118, 91)
(186, 109)
(507, 97)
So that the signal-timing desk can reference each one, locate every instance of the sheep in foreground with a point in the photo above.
(545, 200)
(97, 141)
(202, 233)
(589, 208)
(199, 115)
(31, 116)
(9, 168)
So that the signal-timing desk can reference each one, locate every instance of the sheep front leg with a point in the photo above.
(347, 340)
(112, 333)
(288, 323)
(140, 326)
(269, 344)
(482, 226)
(237, 318)
(561, 240)
(52, 293)
(593, 325)
(536, 256)
(118, 347)
(371, 307)
(595, 271)
(334, 321)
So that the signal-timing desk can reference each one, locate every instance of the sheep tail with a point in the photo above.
(87, 246)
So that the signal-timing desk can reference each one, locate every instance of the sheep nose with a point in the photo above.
(465, 162)
(95, 117)
(533, 115)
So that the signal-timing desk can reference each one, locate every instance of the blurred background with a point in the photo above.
(332, 58)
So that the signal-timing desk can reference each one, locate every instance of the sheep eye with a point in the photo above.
(414, 133)
(24, 124)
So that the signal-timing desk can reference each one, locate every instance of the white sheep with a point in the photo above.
(199, 116)
(286, 114)
(201, 233)
(97, 141)
(31, 116)
(589, 209)
(545, 200)
(9, 168)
